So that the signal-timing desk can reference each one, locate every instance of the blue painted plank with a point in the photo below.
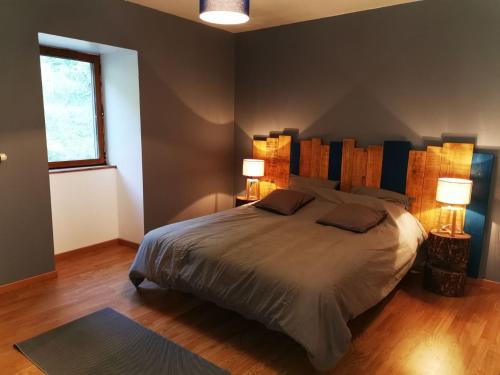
(395, 165)
(295, 158)
(477, 211)
(335, 161)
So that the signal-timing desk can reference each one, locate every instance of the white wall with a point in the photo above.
(84, 208)
(120, 78)
(90, 207)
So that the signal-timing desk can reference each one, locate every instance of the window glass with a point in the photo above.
(70, 109)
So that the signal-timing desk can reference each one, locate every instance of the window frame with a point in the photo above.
(95, 60)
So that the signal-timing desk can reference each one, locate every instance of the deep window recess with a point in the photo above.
(73, 110)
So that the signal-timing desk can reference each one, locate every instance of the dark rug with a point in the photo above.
(106, 342)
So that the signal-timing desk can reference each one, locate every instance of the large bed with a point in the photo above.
(288, 272)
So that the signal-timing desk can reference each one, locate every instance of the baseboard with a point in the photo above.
(86, 249)
(95, 247)
(62, 256)
(25, 282)
(132, 245)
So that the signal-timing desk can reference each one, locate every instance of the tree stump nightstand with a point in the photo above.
(242, 199)
(446, 267)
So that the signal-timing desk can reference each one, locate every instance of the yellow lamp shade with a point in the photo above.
(253, 167)
(454, 191)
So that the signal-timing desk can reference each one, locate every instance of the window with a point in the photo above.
(73, 111)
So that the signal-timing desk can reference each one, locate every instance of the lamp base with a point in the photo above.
(252, 189)
(452, 220)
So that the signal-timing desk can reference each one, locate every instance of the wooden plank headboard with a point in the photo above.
(393, 166)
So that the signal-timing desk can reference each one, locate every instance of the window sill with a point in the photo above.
(81, 169)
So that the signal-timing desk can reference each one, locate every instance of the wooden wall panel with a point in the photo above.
(477, 211)
(360, 157)
(456, 160)
(347, 162)
(429, 212)
(335, 162)
(305, 158)
(266, 150)
(415, 180)
(315, 157)
(259, 149)
(324, 162)
(283, 169)
(295, 158)
(395, 165)
(374, 166)
(271, 163)
(451, 160)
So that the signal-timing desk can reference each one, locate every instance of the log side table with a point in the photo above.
(446, 266)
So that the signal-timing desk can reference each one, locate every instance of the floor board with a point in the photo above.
(411, 332)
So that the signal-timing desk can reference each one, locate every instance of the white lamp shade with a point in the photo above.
(253, 167)
(225, 12)
(454, 191)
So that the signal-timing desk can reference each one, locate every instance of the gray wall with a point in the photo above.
(419, 72)
(187, 110)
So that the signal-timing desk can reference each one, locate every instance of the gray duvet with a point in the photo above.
(295, 276)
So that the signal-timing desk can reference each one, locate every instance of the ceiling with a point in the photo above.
(268, 13)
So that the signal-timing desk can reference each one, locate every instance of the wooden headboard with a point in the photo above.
(393, 166)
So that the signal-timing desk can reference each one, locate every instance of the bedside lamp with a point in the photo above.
(253, 168)
(456, 194)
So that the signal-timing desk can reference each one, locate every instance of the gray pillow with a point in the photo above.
(353, 217)
(387, 195)
(284, 202)
(299, 181)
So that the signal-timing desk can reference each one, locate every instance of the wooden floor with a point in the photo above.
(411, 332)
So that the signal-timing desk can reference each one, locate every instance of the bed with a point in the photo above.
(288, 272)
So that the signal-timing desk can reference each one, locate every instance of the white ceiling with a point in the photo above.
(268, 13)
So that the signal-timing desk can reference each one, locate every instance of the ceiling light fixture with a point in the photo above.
(225, 12)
